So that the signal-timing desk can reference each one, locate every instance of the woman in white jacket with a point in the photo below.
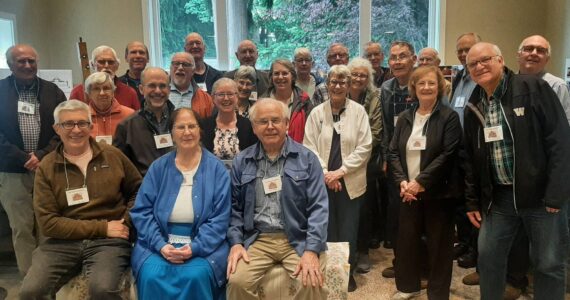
(339, 133)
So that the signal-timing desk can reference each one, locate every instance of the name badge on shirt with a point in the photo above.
(253, 96)
(77, 196)
(163, 140)
(460, 101)
(271, 185)
(105, 139)
(493, 134)
(203, 86)
(395, 120)
(418, 143)
(337, 127)
(26, 108)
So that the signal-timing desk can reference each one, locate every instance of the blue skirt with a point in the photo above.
(194, 279)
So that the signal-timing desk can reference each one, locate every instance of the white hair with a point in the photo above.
(71, 105)
(97, 78)
(253, 108)
(97, 51)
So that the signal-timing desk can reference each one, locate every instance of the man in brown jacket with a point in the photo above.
(82, 195)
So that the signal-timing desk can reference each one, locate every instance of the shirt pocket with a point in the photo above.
(295, 186)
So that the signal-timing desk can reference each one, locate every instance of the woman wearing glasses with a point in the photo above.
(282, 76)
(424, 157)
(338, 131)
(245, 79)
(106, 111)
(181, 250)
(226, 133)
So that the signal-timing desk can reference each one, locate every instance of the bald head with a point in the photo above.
(194, 44)
(428, 57)
(485, 64)
(247, 53)
(22, 60)
(533, 55)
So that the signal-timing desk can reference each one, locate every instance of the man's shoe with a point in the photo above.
(467, 260)
(389, 272)
(374, 244)
(511, 292)
(403, 296)
(351, 284)
(388, 245)
(471, 279)
(363, 265)
(459, 250)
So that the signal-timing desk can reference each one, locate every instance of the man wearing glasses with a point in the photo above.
(104, 59)
(82, 195)
(430, 57)
(374, 53)
(184, 92)
(204, 74)
(247, 55)
(26, 136)
(516, 140)
(336, 55)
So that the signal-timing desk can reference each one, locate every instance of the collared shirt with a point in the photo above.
(29, 123)
(158, 126)
(501, 152)
(268, 216)
(181, 99)
(321, 94)
(462, 93)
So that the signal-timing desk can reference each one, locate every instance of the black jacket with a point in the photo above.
(541, 146)
(245, 133)
(440, 172)
(13, 157)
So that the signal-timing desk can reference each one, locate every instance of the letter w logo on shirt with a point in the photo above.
(519, 111)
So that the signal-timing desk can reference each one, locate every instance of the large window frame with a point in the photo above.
(226, 45)
(12, 19)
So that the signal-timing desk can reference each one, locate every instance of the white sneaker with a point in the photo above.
(404, 296)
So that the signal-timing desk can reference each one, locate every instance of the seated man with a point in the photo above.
(279, 209)
(82, 195)
(104, 59)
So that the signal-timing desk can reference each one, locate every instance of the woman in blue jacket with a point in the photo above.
(181, 214)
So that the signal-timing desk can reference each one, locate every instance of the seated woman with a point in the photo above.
(106, 111)
(424, 156)
(282, 76)
(181, 214)
(226, 133)
(245, 79)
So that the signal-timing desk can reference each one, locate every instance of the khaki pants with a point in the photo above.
(16, 198)
(264, 253)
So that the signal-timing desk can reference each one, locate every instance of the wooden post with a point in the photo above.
(83, 58)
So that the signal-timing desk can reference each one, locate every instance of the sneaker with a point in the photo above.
(511, 292)
(351, 284)
(389, 272)
(363, 265)
(471, 279)
(403, 296)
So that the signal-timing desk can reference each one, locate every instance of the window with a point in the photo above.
(7, 36)
(280, 26)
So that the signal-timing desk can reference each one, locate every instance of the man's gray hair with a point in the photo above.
(337, 45)
(246, 72)
(302, 51)
(97, 78)
(253, 108)
(97, 51)
(360, 62)
(10, 53)
(71, 105)
(371, 43)
(521, 45)
(187, 55)
(476, 36)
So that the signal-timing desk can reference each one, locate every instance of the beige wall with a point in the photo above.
(557, 31)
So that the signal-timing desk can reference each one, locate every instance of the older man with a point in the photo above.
(104, 59)
(184, 92)
(136, 55)
(279, 209)
(430, 57)
(306, 80)
(26, 136)
(247, 56)
(337, 54)
(516, 137)
(82, 196)
(204, 74)
(145, 135)
(374, 53)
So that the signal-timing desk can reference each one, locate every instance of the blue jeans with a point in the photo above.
(548, 238)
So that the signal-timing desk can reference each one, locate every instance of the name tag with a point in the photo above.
(459, 101)
(493, 134)
(271, 185)
(26, 108)
(253, 96)
(163, 140)
(77, 196)
(418, 143)
(203, 87)
(179, 239)
(104, 139)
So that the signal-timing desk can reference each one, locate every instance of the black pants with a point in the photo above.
(369, 216)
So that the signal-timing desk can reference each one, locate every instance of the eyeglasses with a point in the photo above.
(282, 74)
(153, 86)
(224, 95)
(484, 61)
(337, 55)
(303, 60)
(334, 83)
(530, 49)
(183, 127)
(194, 43)
(462, 51)
(181, 63)
(265, 122)
(68, 125)
(401, 57)
(359, 75)
(426, 59)
(244, 83)
(103, 62)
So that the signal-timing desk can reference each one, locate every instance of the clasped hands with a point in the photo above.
(410, 190)
(332, 180)
(176, 255)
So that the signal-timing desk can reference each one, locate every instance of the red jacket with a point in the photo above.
(106, 125)
(123, 93)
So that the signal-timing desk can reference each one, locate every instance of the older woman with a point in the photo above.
(339, 133)
(226, 133)
(282, 77)
(303, 61)
(245, 79)
(181, 215)
(106, 111)
(363, 91)
(424, 159)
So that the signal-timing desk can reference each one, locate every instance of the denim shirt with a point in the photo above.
(303, 199)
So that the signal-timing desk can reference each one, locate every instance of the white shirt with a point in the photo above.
(413, 157)
(183, 211)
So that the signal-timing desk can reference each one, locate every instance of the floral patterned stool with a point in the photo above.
(276, 284)
(76, 288)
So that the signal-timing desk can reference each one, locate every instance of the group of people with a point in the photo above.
(216, 177)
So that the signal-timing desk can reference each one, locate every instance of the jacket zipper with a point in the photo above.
(514, 159)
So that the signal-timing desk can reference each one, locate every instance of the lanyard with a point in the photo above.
(66, 176)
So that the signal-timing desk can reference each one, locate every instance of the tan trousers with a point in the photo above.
(267, 251)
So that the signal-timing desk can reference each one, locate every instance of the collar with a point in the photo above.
(190, 89)
(500, 89)
(289, 148)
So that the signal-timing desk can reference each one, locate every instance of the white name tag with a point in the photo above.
(253, 96)
(77, 196)
(105, 139)
(272, 185)
(418, 143)
(493, 134)
(203, 87)
(395, 120)
(26, 108)
(460, 101)
(163, 140)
